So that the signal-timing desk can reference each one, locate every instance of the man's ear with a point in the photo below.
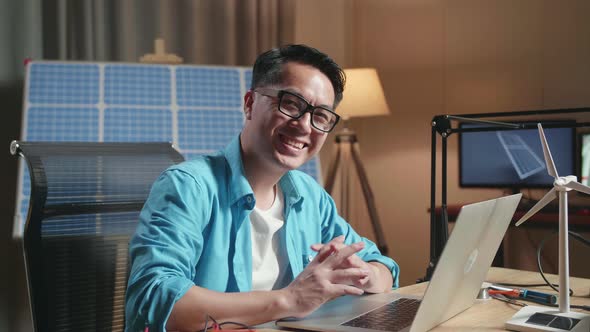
(248, 102)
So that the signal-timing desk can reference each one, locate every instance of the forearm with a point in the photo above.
(250, 308)
(383, 280)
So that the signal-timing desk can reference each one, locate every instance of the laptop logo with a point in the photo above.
(470, 261)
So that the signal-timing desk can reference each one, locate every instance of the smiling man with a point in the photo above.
(242, 236)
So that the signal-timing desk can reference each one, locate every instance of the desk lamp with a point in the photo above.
(534, 318)
(363, 97)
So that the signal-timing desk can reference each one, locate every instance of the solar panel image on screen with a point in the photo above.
(197, 108)
(513, 158)
(522, 157)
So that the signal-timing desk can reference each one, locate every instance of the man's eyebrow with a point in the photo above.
(307, 101)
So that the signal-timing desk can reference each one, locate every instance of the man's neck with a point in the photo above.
(264, 190)
(262, 180)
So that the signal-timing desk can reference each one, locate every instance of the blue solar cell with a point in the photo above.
(207, 129)
(69, 225)
(137, 125)
(60, 124)
(24, 210)
(122, 223)
(26, 182)
(23, 203)
(248, 78)
(208, 87)
(193, 155)
(137, 85)
(312, 168)
(63, 83)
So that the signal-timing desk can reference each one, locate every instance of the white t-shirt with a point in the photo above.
(269, 256)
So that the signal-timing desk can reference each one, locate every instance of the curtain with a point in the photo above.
(219, 32)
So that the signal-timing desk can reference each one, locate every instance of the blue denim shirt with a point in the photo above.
(195, 230)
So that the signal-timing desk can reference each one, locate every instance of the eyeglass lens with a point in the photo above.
(294, 107)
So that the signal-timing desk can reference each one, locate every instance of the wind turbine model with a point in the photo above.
(548, 319)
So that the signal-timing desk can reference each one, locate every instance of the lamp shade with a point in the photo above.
(363, 94)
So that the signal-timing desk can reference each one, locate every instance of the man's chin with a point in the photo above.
(289, 163)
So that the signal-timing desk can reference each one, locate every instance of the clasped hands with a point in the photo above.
(335, 271)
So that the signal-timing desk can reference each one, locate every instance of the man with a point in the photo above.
(238, 236)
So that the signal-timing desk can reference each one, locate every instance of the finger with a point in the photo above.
(362, 283)
(350, 290)
(339, 239)
(316, 247)
(354, 261)
(325, 252)
(329, 248)
(352, 276)
(341, 255)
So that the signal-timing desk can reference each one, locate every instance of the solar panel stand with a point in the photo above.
(160, 56)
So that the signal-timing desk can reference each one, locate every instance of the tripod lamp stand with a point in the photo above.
(363, 97)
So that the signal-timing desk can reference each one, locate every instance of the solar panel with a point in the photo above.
(523, 158)
(197, 108)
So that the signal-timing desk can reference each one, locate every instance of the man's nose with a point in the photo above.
(303, 123)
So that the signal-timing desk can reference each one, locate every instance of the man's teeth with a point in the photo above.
(292, 143)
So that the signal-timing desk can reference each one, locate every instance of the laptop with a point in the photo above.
(454, 285)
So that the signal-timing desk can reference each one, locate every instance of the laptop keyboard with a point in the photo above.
(394, 316)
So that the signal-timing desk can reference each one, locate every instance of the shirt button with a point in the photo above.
(310, 258)
(249, 199)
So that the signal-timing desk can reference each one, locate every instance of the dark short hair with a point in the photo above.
(268, 67)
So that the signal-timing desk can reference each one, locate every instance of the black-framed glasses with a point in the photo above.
(294, 106)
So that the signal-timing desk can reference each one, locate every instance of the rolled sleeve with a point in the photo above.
(161, 270)
(388, 262)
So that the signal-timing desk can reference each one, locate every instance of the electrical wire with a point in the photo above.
(576, 236)
(503, 298)
(524, 285)
(539, 249)
(573, 306)
(219, 326)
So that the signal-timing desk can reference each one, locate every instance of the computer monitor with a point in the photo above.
(585, 158)
(514, 158)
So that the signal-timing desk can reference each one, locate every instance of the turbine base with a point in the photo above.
(534, 318)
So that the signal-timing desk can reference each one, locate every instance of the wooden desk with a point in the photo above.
(490, 315)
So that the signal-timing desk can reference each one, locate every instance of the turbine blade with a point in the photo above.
(578, 187)
(540, 204)
(547, 153)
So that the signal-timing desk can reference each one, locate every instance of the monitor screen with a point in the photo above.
(513, 158)
(585, 159)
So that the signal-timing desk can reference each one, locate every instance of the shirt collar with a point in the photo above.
(290, 192)
(240, 188)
